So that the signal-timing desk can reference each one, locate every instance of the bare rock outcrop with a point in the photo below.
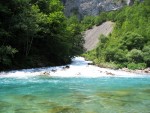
(92, 7)
(92, 35)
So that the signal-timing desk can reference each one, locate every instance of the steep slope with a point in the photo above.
(129, 44)
(92, 7)
(92, 35)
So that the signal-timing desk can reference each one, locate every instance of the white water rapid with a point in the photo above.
(78, 68)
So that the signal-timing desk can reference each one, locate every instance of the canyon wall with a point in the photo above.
(92, 7)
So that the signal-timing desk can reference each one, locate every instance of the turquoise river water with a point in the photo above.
(75, 95)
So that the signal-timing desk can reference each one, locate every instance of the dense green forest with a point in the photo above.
(129, 44)
(36, 33)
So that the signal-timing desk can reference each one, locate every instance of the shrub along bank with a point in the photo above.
(129, 44)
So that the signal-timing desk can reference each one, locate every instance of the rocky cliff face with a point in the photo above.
(92, 7)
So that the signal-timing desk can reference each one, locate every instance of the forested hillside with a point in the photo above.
(36, 33)
(129, 44)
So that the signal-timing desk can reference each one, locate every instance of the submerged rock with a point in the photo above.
(4, 104)
(23, 110)
(28, 97)
(48, 104)
(66, 67)
(64, 109)
(117, 98)
(146, 91)
(115, 94)
(54, 70)
(123, 93)
(79, 98)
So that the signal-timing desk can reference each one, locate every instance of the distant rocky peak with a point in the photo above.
(92, 7)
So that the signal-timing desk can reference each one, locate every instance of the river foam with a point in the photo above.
(78, 68)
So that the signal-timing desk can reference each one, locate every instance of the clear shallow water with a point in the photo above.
(75, 95)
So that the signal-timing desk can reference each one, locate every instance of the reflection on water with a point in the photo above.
(75, 95)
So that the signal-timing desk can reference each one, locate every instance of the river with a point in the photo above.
(79, 88)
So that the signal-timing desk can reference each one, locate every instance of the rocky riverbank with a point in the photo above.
(144, 71)
(79, 68)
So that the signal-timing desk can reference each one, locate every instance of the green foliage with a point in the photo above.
(120, 56)
(135, 56)
(103, 39)
(101, 18)
(128, 45)
(6, 55)
(37, 28)
(132, 40)
(146, 54)
(88, 22)
(134, 66)
(109, 54)
(75, 36)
